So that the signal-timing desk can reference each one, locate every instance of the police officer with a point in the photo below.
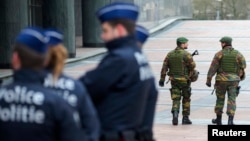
(119, 85)
(229, 66)
(179, 66)
(146, 132)
(28, 111)
(142, 35)
(70, 89)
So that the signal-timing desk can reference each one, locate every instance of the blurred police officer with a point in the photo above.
(229, 66)
(28, 111)
(70, 89)
(119, 86)
(142, 35)
(146, 132)
(179, 66)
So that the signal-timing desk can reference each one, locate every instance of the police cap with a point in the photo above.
(118, 10)
(54, 35)
(142, 34)
(33, 38)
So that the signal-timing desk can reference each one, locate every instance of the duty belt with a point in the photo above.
(144, 135)
(119, 136)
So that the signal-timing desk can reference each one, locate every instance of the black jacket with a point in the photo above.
(28, 111)
(119, 86)
(76, 95)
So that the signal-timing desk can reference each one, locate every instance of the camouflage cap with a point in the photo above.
(226, 39)
(182, 40)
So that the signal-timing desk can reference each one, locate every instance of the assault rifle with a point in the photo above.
(213, 91)
(195, 53)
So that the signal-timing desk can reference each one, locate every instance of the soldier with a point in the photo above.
(142, 35)
(146, 132)
(120, 85)
(229, 66)
(179, 66)
(70, 89)
(28, 111)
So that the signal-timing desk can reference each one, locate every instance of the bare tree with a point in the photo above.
(202, 8)
(235, 9)
(229, 9)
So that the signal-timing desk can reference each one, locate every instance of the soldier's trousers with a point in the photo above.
(181, 92)
(223, 87)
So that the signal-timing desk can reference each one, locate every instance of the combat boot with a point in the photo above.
(175, 118)
(230, 120)
(186, 120)
(217, 120)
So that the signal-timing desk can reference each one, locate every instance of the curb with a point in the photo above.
(167, 23)
(73, 60)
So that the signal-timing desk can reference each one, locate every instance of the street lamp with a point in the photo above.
(219, 11)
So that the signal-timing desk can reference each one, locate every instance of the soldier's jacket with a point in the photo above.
(188, 63)
(215, 67)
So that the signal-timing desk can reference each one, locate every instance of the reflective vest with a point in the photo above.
(228, 62)
(176, 63)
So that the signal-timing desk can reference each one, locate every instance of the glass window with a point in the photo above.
(35, 12)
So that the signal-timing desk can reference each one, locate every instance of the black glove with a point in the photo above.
(161, 83)
(208, 83)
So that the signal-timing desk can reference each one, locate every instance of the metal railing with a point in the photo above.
(152, 12)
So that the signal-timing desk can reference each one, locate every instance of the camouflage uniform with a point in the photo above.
(181, 89)
(180, 82)
(228, 75)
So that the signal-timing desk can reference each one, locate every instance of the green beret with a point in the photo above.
(226, 39)
(182, 40)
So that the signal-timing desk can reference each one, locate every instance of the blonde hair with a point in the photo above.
(56, 59)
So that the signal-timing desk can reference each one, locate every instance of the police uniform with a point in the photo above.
(74, 93)
(120, 84)
(146, 131)
(227, 64)
(28, 111)
(179, 65)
